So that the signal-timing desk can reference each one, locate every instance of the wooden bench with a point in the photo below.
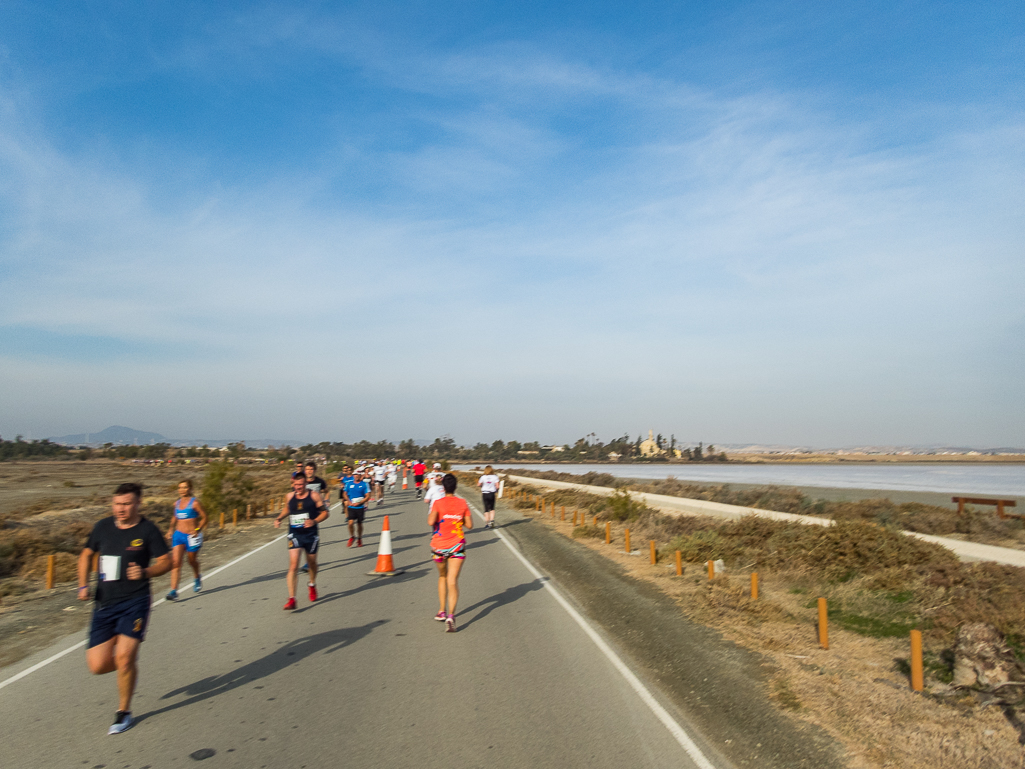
(1000, 504)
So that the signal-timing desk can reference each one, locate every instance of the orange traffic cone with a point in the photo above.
(405, 483)
(385, 566)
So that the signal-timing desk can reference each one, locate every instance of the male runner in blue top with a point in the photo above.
(355, 495)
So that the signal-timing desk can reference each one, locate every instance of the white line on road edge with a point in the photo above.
(80, 644)
(635, 683)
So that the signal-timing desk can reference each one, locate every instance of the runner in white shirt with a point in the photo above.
(393, 476)
(434, 484)
(489, 483)
(380, 473)
(434, 492)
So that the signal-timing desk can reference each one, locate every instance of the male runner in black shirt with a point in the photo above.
(304, 509)
(132, 551)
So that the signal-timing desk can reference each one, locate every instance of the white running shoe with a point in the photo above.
(123, 721)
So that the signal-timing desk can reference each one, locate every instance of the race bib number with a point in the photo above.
(110, 568)
(298, 520)
(196, 540)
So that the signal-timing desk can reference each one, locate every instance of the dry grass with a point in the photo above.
(978, 525)
(879, 584)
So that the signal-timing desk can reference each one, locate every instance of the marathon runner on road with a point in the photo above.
(132, 551)
(313, 481)
(185, 535)
(489, 483)
(380, 473)
(418, 477)
(449, 519)
(356, 493)
(305, 510)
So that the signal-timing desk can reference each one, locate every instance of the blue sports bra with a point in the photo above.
(187, 512)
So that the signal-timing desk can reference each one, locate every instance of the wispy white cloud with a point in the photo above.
(693, 255)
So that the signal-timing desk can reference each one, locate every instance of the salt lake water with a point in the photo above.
(962, 478)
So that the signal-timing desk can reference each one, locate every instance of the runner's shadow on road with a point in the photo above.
(279, 659)
(507, 596)
(368, 585)
(255, 580)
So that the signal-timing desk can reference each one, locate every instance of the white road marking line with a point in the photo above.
(646, 696)
(80, 644)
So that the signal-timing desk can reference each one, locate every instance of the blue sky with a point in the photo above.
(735, 222)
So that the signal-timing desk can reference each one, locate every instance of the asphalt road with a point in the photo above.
(362, 677)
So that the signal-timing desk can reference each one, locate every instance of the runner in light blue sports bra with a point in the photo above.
(186, 536)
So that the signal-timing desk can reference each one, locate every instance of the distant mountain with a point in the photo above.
(118, 435)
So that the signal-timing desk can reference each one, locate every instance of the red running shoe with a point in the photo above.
(351, 540)
(290, 605)
(313, 592)
(359, 542)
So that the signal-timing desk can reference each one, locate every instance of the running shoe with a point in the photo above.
(197, 585)
(305, 567)
(313, 592)
(290, 605)
(123, 721)
(440, 616)
(359, 542)
(450, 623)
(351, 540)
(171, 596)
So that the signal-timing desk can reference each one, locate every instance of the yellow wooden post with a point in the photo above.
(654, 552)
(594, 520)
(679, 563)
(823, 624)
(50, 565)
(711, 570)
(234, 517)
(563, 516)
(917, 677)
(754, 586)
(249, 510)
(222, 519)
(608, 532)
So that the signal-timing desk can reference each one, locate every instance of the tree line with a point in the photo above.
(586, 449)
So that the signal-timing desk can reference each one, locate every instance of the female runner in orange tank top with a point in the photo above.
(449, 520)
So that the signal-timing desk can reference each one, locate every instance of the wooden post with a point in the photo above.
(234, 517)
(222, 519)
(563, 516)
(574, 517)
(50, 564)
(537, 503)
(711, 570)
(654, 552)
(626, 539)
(823, 624)
(679, 564)
(754, 586)
(608, 532)
(249, 511)
(594, 520)
(917, 677)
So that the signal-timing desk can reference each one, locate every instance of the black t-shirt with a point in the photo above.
(318, 485)
(299, 510)
(119, 547)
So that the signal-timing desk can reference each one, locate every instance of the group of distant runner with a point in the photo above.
(129, 551)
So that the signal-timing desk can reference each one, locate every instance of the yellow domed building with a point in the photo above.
(649, 448)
